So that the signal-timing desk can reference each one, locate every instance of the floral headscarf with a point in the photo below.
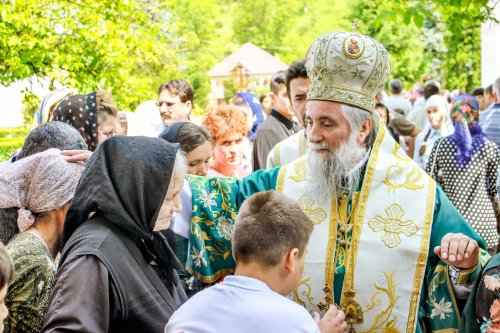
(38, 183)
(80, 111)
(468, 136)
(465, 111)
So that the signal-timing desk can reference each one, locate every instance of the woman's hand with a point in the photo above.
(77, 155)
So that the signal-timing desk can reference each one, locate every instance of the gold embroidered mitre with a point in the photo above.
(347, 67)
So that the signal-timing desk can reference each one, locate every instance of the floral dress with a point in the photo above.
(482, 311)
(488, 309)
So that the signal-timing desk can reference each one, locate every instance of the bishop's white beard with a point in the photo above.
(333, 172)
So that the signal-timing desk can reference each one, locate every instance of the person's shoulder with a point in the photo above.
(292, 315)
(196, 306)
(28, 248)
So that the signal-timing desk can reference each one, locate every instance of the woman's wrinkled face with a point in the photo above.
(106, 128)
(436, 118)
(199, 158)
(172, 202)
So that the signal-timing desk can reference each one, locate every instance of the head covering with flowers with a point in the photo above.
(468, 136)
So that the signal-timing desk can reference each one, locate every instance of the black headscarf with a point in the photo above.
(80, 111)
(171, 133)
(125, 182)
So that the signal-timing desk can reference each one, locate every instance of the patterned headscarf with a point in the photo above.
(38, 183)
(257, 111)
(46, 110)
(80, 111)
(468, 136)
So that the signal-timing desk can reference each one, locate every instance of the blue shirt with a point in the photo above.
(240, 304)
(489, 121)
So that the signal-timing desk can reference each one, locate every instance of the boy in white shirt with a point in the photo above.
(269, 241)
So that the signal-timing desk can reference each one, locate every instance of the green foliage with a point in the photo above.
(115, 45)
(405, 43)
(287, 28)
(11, 139)
(263, 22)
(130, 47)
(462, 21)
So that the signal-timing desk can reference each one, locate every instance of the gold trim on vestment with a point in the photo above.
(281, 179)
(211, 278)
(360, 214)
(452, 294)
(330, 257)
(422, 257)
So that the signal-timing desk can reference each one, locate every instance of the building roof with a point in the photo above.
(253, 58)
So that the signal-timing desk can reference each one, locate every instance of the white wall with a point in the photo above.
(490, 49)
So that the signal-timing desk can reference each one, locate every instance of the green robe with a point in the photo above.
(215, 205)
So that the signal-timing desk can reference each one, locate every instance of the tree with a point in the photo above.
(462, 19)
(264, 22)
(405, 43)
(120, 46)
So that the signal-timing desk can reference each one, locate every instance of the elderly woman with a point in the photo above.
(438, 125)
(228, 127)
(196, 142)
(117, 272)
(93, 115)
(465, 164)
(40, 187)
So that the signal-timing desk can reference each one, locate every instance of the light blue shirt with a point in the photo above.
(489, 121)
(240, 304)
(431, 139)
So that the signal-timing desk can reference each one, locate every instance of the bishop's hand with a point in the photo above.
(458, 250)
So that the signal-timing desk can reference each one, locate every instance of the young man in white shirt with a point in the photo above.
(270, 238)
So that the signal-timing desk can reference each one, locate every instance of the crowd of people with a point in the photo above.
(269, 214)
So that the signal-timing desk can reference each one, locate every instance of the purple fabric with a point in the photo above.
(468, 137)
(258, 113)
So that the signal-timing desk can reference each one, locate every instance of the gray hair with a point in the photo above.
(356, 117)
(496, 88)
(54, 134)
(180, 164)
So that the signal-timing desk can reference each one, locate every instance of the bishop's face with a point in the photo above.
(326, 124)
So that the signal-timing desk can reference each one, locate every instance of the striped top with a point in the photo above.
(489, 120)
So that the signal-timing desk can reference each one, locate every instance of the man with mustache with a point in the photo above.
(388, 247)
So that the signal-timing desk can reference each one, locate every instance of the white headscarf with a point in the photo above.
(441, 104)
(38, 183)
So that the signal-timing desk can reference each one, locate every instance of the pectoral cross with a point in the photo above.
(355, 25)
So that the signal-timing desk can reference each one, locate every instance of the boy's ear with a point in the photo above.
(290, 259)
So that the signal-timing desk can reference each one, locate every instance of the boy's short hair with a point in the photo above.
(6, 267)
(277, 80)
(267, 227)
